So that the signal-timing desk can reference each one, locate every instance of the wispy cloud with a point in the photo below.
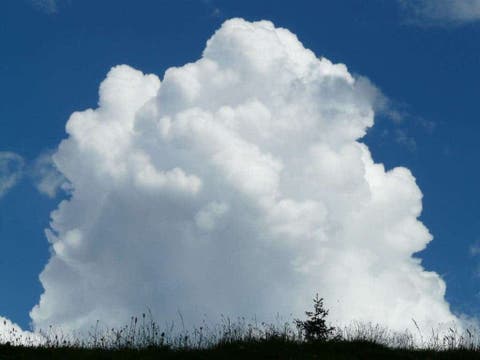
(441, 12)
(215, 11)
(47, 6)
(402, 137)
(475, 249)
(11, 170)
(41, 172)
(403, 123)
(46, 178)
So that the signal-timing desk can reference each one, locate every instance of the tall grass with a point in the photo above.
(143, 332)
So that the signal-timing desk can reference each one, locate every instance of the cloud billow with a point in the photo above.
(237, 185)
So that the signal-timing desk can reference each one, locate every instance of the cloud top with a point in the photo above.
(237, 185)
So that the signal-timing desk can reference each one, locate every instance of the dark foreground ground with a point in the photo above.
(259, 350)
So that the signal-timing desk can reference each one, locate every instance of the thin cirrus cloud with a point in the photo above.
(236, 185)
(450, 12)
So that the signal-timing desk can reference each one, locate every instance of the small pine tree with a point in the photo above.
(315, 327)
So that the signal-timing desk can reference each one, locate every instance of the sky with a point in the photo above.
(252, 173)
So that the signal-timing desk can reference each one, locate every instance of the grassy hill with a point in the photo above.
(311, 338)
(269, 349)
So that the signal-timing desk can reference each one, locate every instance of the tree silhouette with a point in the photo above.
(315, 327)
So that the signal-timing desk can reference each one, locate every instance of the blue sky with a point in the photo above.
(55, 54)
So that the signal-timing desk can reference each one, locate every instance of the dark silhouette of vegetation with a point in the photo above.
(242, 339)
(315, 328)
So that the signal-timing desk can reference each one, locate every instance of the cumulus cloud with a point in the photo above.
(11, 169)
(443, 11)
(237, 185)
(47, 179)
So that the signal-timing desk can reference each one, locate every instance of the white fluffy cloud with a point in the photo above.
(449, 11)
(237, 185)
(11, 168)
